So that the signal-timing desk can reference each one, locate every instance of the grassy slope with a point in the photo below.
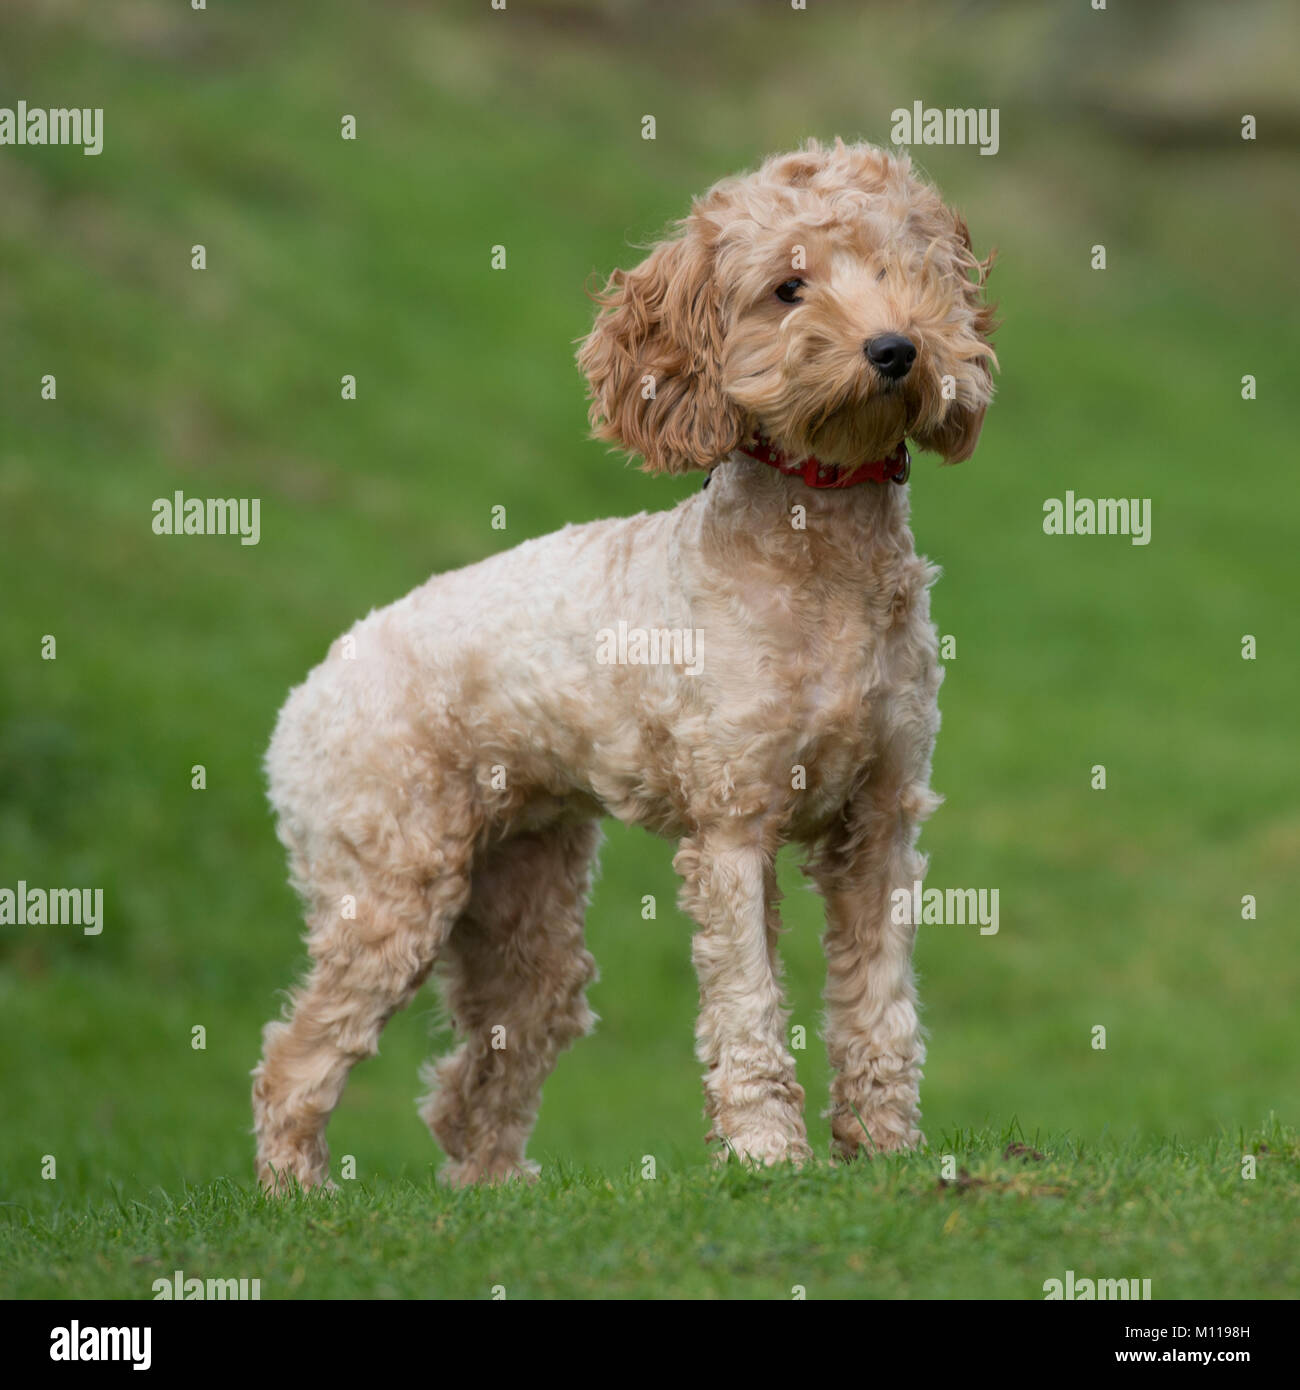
(1119, 908)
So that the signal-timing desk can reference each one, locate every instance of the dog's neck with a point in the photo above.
(836, 532)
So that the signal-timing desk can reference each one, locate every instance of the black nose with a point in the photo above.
(891, 355)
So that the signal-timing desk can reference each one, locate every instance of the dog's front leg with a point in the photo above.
(753, 1099)
(873, 1035)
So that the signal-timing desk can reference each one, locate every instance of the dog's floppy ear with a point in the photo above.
(653, 359)
(958, 433)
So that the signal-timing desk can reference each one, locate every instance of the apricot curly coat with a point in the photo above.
(438, 779)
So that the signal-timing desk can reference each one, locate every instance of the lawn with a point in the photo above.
(1011, 1218)
(1119, 908)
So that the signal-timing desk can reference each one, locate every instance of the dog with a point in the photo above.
(755, 667)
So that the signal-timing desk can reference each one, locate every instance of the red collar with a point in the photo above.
(894, 467)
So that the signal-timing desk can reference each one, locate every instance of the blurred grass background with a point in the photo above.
(371, 257)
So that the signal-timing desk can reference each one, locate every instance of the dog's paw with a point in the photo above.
(490, 1172)
(848, 1148)
(764, 1149)
(284, 1181)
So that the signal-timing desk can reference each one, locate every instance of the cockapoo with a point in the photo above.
(754, 667)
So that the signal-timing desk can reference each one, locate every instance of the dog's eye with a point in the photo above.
(789, 292)
(880, 274)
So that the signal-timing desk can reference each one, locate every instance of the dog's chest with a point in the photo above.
(861, 675)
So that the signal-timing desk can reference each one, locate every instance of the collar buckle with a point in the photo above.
(904, 470)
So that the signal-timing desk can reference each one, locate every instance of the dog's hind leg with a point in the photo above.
(516, 971)
(374, 938)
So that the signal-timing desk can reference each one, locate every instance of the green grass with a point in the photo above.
(1118, 908)
(1011, 1217)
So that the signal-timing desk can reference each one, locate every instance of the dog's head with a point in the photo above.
(826, 302)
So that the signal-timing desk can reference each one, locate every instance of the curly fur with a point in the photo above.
(438, 778)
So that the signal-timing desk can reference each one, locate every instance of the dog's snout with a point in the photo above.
(891, 355)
